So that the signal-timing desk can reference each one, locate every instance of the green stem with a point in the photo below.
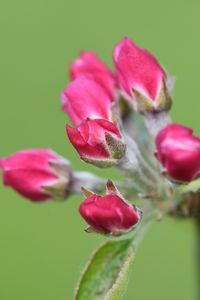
(98, 184)
(149, 215)
(198, 256)
(154, 122)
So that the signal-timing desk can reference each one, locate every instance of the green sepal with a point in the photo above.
(116, 147)
(162, 103)
(86, 192)
(58, 190)
(104, 163)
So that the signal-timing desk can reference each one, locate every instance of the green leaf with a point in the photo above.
(105, 276)
(119, 287)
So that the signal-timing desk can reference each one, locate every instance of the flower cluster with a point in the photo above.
(145, 146)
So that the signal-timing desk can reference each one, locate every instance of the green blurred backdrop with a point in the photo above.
(43, 247)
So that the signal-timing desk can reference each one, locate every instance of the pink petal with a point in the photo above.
(90, 66)
(84, 98)
(137, 69)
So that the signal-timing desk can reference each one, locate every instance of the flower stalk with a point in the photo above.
(198, 254)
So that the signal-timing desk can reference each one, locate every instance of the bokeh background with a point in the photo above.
(43, 247)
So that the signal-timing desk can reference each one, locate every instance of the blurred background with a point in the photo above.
(43, 247)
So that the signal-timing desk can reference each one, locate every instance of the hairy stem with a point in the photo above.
(198, 255)
(88, 180)
(154, 122)
(98, 184)
(149, 215)
(134, 166)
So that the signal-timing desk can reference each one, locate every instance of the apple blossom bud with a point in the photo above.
(37, 174)
(109, 214)
(90, 66)
(84, 98)
(179, 152)
(141, 77)
(97, 141)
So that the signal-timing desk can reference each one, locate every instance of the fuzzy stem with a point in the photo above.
(144, 167)
(154, 122)
(149, 214)
(198, 255)
(88, 180)
(97, 184)
(134, 166)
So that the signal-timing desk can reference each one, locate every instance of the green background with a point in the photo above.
(43, 247)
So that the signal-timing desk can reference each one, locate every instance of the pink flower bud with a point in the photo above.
(90, 66)
(141, 77)
(179, 152)
(84, 98)
(97, 141)
(110, 214)
(37, 174)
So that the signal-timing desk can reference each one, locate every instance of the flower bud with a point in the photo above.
(37, 174)
(90, 66)
(179, 152)
(141, 77)
(109, 214)
(97, 141)
(84, 98)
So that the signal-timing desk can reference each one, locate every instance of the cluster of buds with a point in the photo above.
(155, 155)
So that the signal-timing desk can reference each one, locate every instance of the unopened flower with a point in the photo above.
(141, 77)
(179, 152)
(84, 98)
(90, 66)
(109, 214)
(98, 142)
(37, 174)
